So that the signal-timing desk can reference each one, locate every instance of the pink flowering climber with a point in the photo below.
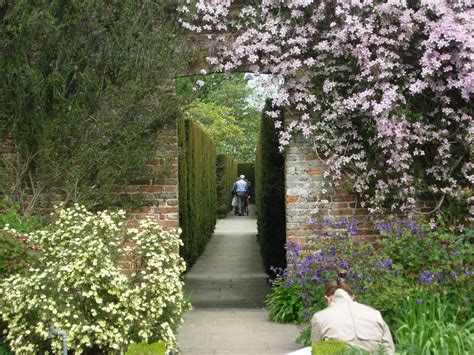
(383, 87)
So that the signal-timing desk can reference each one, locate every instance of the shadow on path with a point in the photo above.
(227, 287)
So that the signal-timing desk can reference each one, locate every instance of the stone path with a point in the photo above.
(227, 287)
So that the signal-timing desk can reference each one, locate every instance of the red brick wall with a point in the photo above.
(305, 189)
(158, 197)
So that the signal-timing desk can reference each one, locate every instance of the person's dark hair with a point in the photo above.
(331, 286)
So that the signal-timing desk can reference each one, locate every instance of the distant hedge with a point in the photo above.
(270, 194)
(197, 189)
(248, 169)
(226, 171)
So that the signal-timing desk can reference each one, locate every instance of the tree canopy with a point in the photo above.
(222, 106)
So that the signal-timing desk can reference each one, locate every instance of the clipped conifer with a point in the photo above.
(197, 189)
(270, 194)
(226, 169)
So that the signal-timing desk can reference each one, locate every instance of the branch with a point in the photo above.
(437, 207)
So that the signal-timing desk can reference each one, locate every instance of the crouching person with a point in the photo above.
(356, 324)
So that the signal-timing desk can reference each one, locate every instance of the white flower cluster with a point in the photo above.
(81, 287)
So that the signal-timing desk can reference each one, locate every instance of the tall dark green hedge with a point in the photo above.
(226, 168)
(270, 195)
(248, 169)
(197, 189)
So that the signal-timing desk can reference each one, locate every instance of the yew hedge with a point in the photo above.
(226, 168)
(270, 194)
(197, 189)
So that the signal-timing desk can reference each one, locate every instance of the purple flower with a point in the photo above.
(387, 264)
(426, 277)
(419, 300)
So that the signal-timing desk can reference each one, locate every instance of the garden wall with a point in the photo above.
(8, 155)
(304, 188)
(157, 197)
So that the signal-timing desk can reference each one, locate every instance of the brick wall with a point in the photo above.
(158, 197)
(305, 188)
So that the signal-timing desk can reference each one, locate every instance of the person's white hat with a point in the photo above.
(242, 176)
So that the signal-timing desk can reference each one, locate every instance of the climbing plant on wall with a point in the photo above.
(84, 91)
(382, 88)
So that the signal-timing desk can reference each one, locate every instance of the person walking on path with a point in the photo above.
(241, 189)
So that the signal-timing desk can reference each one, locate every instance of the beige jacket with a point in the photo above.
(358, 325)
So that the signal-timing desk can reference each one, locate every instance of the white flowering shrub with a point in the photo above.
(81, 286)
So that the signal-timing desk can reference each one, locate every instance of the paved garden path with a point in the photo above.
(227, 287)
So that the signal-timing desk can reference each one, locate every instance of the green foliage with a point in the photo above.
(433, 267)
(305, 337)
(81, 287)
(4, 350)
(439, 260)
(329, 347)
(147, 349)
(270, 195)
(220, 123)
(15, 255)
(187, 88)
(197, 189)
(226, 171)
(10, 215)
(284, 303)
(221, 105)
(428, 325)
(84, 91)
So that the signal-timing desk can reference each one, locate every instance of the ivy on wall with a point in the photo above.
(197, 189)
(270, 194)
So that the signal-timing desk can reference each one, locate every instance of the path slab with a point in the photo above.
(227, 287)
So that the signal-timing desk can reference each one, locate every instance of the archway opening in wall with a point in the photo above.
(224, 123)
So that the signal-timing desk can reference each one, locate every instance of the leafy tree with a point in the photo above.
(222, 106)
(219, 123)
